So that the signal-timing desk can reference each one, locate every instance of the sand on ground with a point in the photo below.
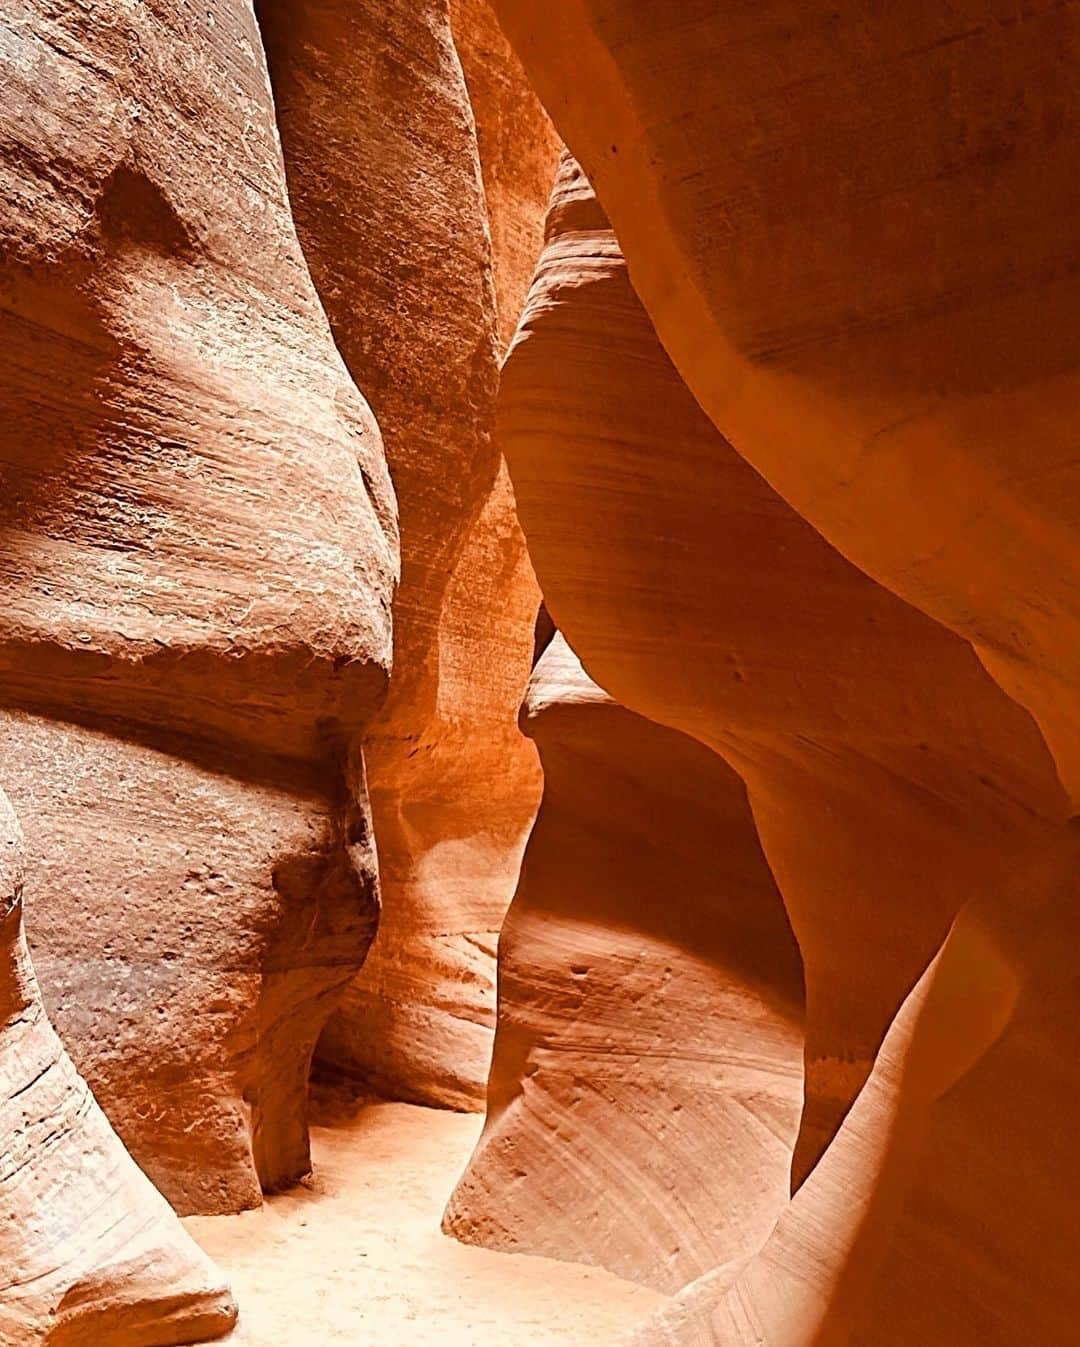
(355, 1255)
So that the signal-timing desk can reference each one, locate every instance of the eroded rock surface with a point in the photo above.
(418, 1020)
(199, 550)
(647, 1079)
(882, 323)
(392, 214)
(91, 1254)
(889, 777)
(519, 149)
(196, 925)
(936, 1215)
(863, 729)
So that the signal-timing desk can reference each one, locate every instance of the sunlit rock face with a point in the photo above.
(879, 757)
(200, 549)
(305, 393)
(91, 1253)
(519, 150)
(891, 782)
(856, 235)
(417, 1022)
(392, 214)
(936, 1215)
(647, 1079)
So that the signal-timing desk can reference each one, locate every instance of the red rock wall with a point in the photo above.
(392, 215)
(518, 152)
(90, 1252)
(823, 213)
(856, 234)
(936, 1215)
(417, 1022)
(647, 1080)
(863, 730)
(890, 780)
(200, 549)
(788, 420)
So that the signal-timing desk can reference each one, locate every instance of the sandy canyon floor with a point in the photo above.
(355, 1255)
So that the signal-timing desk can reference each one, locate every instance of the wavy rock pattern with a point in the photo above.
(519, 150)
(856, 235)
(199, 552)
(91, 1253)
(647, 1079)
(890, 780)
(786, 992)
(889, 777)
(392, 215)
(936, 1215)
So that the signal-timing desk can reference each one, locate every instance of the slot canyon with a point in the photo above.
(539, 673)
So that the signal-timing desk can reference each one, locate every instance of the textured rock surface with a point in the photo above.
(889, 777)
(90, 1253)
(647, 1079)
(883, 323)
(518, 153)
(937, 1215)
(418, 1020)
(194, 928)
(391, 212)
(199, 548)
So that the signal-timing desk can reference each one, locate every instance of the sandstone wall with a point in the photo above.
(936, 1215)
(892, 784)
(824, 214)
(856, 235)
(888, 775)
(200, 547)
(647, 1080)
(392, 214)
(90, 1252)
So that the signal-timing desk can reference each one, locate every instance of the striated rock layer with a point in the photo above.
(90, 1253)
(856, 234)
(937, 1214)
(418, 1020)
(891, 781)
(194, 929)
(199, 551)
(647, 1078)
(518, 153)
(391, 211)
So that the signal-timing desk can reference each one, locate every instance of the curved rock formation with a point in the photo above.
(889, 777)
(392, 216)
(856, 234)
(194, 922)
(418, 1020)
(199, 544)
(647, 1078)
(937, 1214)
(90, 1252)
(518, 153)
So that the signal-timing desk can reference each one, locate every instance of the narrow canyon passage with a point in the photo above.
(539, 673)
(354, 1255)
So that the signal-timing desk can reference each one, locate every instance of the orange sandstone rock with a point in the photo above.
(200, 546)
(890, 778)
(647, 1080)
(384, 171)
(418, 1020)
(195, 922)
(518, 153)
(91, 1254)
(856, 233)
(936, 1216)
